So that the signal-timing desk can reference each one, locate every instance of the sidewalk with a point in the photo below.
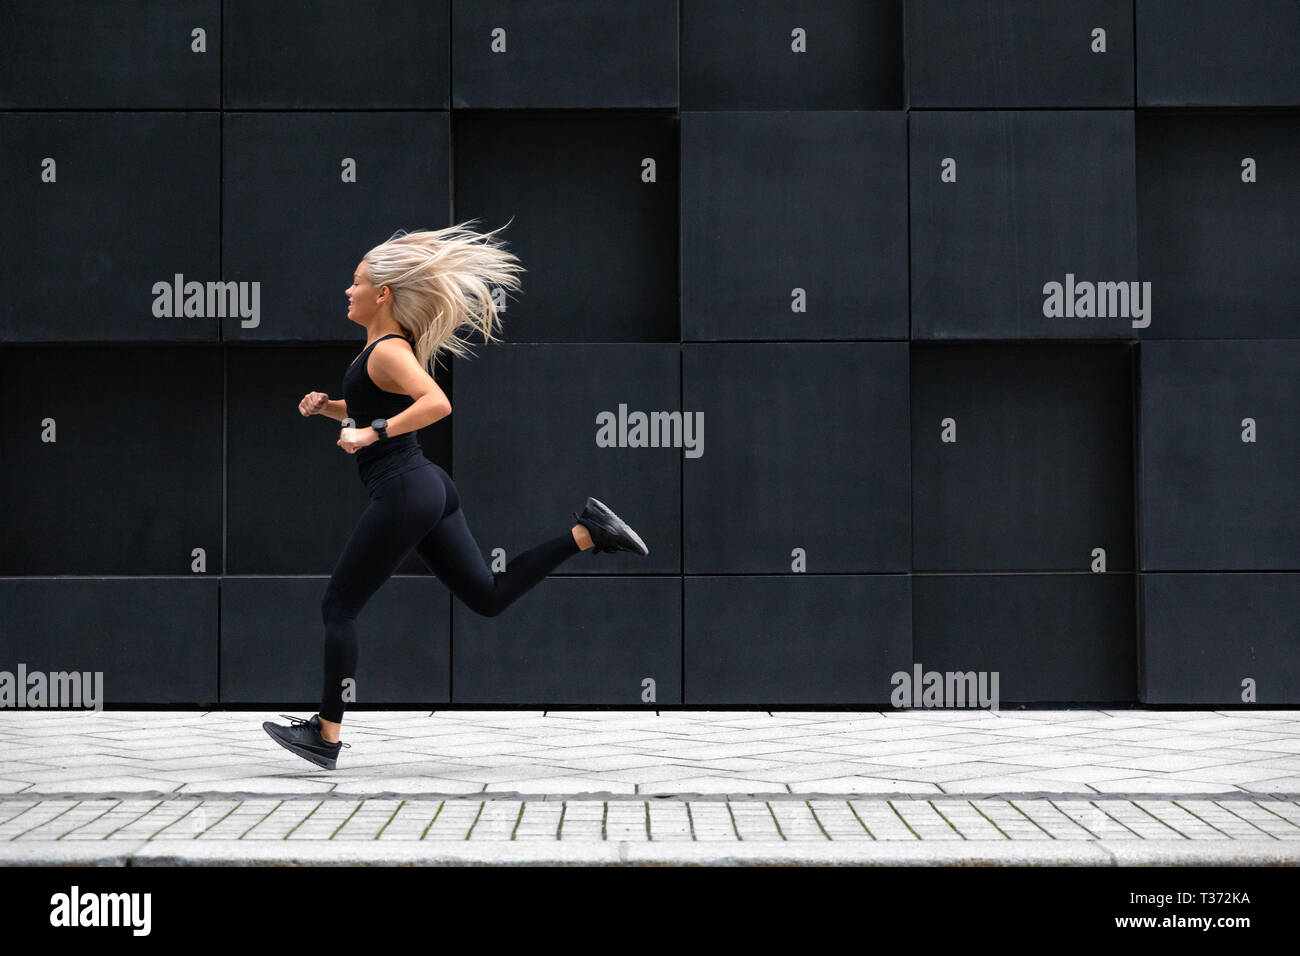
(901, 787)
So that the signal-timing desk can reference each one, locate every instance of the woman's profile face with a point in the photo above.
(363, 298)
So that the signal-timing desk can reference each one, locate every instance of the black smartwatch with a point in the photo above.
(380, 425)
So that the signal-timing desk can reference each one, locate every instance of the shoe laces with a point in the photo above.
(298, 722)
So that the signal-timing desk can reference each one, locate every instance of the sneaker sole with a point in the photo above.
(603, 510)
(328, 763)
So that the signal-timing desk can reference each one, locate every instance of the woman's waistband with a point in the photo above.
(376, 471)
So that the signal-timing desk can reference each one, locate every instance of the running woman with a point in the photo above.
(413, 294)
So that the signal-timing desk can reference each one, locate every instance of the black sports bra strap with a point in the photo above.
(390, 335)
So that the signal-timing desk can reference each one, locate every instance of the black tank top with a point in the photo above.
(366, 401)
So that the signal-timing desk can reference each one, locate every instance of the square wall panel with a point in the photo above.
(85, 54)
(332, 61)
(539, 428)
(589, 205)
(1220, 639)
(794, 225)
(805, 461)
(112, 460)
(1050, 638)
(273, 641)
(306, 195)
(1019, 53)
(1219, 199)
(107, 218)
(1024, 225)
(1220, 455)
(574, 640)
(153, 639)
(796, 639)
(1022, 457)
(1218, 52)
(578, 54)
(775, 55)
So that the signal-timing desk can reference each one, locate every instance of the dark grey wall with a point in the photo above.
(824, 226)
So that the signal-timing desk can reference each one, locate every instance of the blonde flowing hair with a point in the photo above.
(441, 283)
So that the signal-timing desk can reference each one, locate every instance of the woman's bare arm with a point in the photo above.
(336, 409)
(318, 403)
(395, 369)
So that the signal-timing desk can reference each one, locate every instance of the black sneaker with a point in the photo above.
(608, 531)
(303, 738)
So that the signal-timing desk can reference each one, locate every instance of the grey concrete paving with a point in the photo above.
(899, 787)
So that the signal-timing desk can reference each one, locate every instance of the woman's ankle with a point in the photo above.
(582, 537)
(330, 731)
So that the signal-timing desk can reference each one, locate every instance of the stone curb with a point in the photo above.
(596, 796)
(751, 853)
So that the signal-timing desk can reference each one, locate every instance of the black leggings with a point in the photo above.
(418, 509)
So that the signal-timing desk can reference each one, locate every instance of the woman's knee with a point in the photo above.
(484, 604)
(333, 608)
